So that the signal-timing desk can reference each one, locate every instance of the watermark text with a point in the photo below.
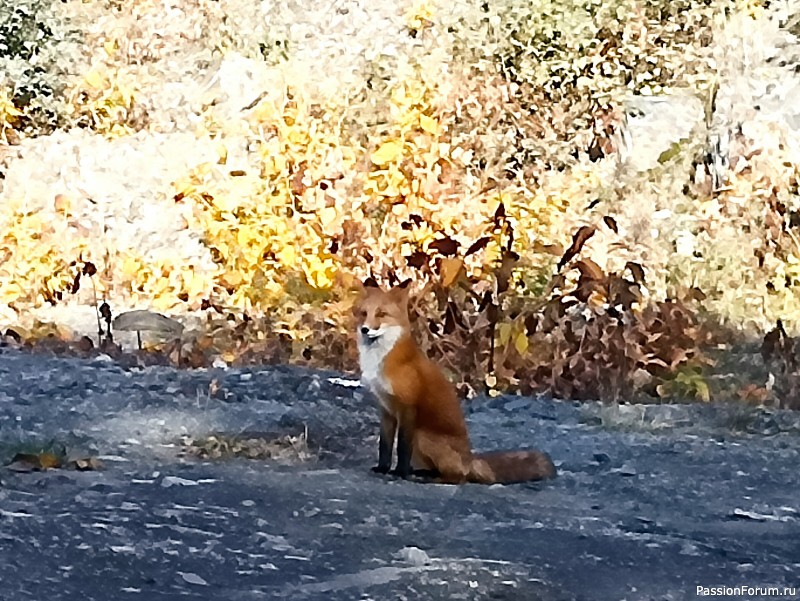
(747, 591)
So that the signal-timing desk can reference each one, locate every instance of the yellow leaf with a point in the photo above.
(184, 186)
(11, 291)
(130, 267)
(194, 284)
(94, 79)
(703, 391)
(287, 255)
(504, 332)
(226, 202)
(126, 94)
(521, 343)
(222, 153)
(164, 301)
(110, 46)
(429, 124)
(297, 138)
(319, 273)
(8, 109)
(321, 279)
(232, 279)
(327, 216)
(387, 152)
(246, 235)
(264, 111)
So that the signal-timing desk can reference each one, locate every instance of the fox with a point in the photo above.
(418, 406)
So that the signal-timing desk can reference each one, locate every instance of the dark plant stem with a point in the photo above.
(97, 314)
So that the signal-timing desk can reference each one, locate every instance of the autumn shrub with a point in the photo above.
(36, 267)
(36, 41)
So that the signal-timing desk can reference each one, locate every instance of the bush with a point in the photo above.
(36, 43)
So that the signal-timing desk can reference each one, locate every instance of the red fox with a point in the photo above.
(419, 406)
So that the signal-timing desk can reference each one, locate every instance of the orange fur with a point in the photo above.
(419, 406)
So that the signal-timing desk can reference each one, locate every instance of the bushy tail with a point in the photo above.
(507, 467)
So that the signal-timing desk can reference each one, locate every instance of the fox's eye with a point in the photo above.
(380, 314)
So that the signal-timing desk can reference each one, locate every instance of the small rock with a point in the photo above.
(601, 457)
(175, 481)
(414, 556)
(192, 578)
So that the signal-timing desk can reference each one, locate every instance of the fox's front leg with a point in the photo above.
(386, 442)
(405, 444)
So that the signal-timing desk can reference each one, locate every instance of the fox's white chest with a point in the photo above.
(371, 358)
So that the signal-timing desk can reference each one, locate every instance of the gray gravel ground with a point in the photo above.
(649, 504)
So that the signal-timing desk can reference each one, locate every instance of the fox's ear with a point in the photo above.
(370, 282)
(400, 292)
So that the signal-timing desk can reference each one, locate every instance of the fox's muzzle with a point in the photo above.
(370, 335)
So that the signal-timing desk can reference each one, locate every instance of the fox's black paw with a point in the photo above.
(380, 469)
(401, 473)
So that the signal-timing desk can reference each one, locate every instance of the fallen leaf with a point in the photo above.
(30, 462)
(86, 464)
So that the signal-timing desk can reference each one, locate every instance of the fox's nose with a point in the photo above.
(364, 330)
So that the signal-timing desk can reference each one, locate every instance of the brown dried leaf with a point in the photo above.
(611, 223)
(450, 270)
(637, 271)
(447, 247)
(479, 244)
(578, 241)
(417, 259)
(590, 270)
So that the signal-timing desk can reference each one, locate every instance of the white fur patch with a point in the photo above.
(372, 351)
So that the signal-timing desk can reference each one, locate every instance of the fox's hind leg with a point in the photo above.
(443, 457)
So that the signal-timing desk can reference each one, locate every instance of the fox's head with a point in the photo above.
(382, 314)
